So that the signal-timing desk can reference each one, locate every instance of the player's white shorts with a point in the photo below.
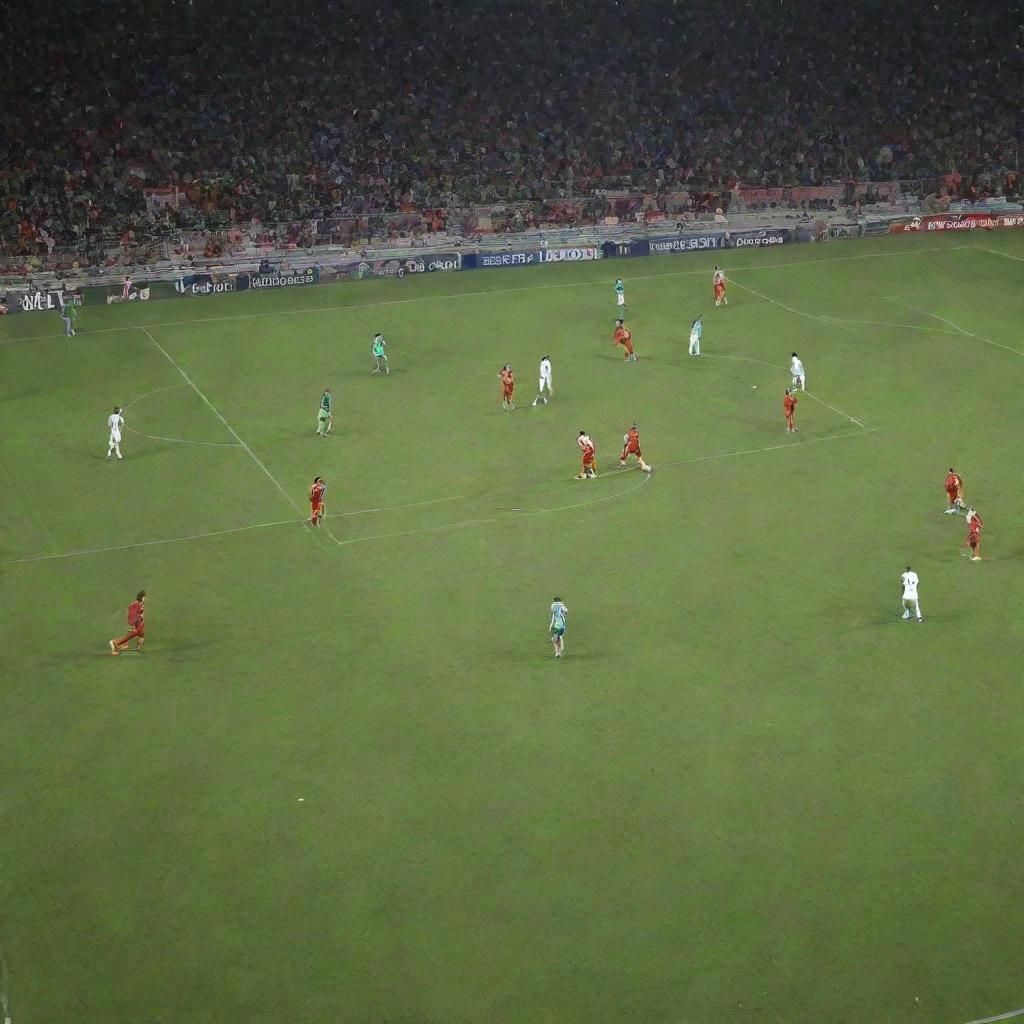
(543, 383)
(912, 604)
(620, 300)
(115, 437)
(800, 382)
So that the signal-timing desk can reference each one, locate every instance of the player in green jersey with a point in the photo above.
(324, 419)
(380, 360)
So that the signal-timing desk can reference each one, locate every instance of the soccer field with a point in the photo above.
(347, 781)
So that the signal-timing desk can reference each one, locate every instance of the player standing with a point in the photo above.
(911, 603)
(316, 500)
(718, 283)
(696, 330)
(508, 387)
(136, 624)
(625, 339)
(544, 391)
(378, 355)
(588, 469)
(620, 294)
(559, 613)
(974, 525)
(126, 288)
(324, 419)
(68, 313)
(631, 446)
(954, 492)
(789, 408)
(115, 421)
(796, 368)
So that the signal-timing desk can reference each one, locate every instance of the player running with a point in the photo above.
(718, 284)
(316, 500)
(911, 603)
(796, 368)
(696, 330)
(324, 419)
(588, 469)
(559, 613)
(115, 421)
(620, 294)
(631, 446)
(508, 388)
(625, 339)
(380, 359)
(954, 492)
(544, 383)
(974, 525)
(136, 624)
(789, 408)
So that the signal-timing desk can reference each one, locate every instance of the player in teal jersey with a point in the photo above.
(620, 294)
(379, 357)
(559, 613)
(324, 419)
(69, 314)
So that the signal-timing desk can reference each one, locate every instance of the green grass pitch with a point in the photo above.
(348, 782)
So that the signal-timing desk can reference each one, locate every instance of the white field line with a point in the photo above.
(775, 366)
(184, 440)
(252, 455)
(158, 391)
(999, 1016)
(500, 291)
(1020, 259)
(433, 501)
(957, 329)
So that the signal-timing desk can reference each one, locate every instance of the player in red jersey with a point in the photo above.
(631, 446)
(718, 286)
(589, 467)
(136, 625)
(789, 408)
(954, 492)
(624, 338)
(316, 500)
(974, 525)
(508, 388)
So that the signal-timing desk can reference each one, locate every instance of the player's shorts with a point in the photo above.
(631, 451)
(557, 630)
(507, 392)
(115, 437)
(380, 355)
(137, 631)
(952, 495)
(323, 414)
(544, 383)
(620, 299)
(588, 460)
(973, 539)
(315, 510)
(719, 290)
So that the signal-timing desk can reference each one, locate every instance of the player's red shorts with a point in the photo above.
(631, 451)
(316, 510)
(588, 459)
(719, 290)
(139, 630)
(507, 392)
(973, 539)
(952, 495)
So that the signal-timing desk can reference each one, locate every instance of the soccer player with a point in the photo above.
(136, 625)
(620, 294)
(789, 408)
(974, 525)
(796, 368)
(69, 314)
(718, 286)
(559, 613)
(544, 383)
(379, 357)
(954, 492)
(911, 603)
(631, 446)
(589, 467)
(696, 330)
(324, 419)
(508, 387)
(625, 339)
(126, 288)
(316, 500)
(115, 421)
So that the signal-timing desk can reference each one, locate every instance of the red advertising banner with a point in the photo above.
(760, 195)
(817, 192)
(957, 222)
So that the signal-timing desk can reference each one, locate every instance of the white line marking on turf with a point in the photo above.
(158, 391)
(775, 366)
(771, 447)
(502, 291)
(410, 533)
(184, 440)
(999, 1016)
(252, 455)
(959, 330)
(393, 508)
(1009, 256)
(596, 501)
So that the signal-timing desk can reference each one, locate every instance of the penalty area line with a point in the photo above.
(998, 1016)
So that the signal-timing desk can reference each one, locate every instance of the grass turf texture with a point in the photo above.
(749, 792)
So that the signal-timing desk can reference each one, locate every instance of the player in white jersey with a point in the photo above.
(911, 602)
(696, 329)
(796, 368)
(544, 391)
(116, 423)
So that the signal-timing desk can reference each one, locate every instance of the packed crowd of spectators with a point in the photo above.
(338, 120)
